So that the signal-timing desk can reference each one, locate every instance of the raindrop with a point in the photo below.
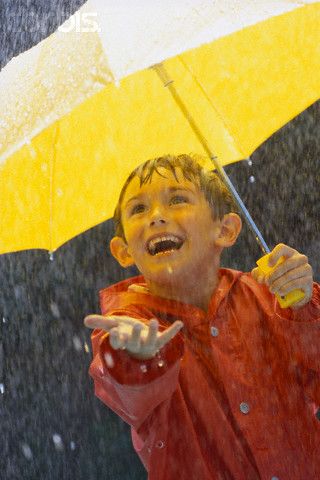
(59, 192)
(4, 320)
(72, 445)
(26, 450)
(32, 151)
(109, 360)
(77, 343)
(252, 179)
(55, 310)
(1, 388)
(86, 347)
(143, 368)
(160, 363)
(249, 162)
(18, 291)
(57, 440)
(51, 256)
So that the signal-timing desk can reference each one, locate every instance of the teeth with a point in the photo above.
(152, 244)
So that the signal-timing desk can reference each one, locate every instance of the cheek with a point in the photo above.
(134, 239)
(206, 233)
(131, 229)
(188, 217)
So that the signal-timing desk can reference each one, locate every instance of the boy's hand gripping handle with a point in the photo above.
(287, 300)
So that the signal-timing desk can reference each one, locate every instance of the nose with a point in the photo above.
(157, 217)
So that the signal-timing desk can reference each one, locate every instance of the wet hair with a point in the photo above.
(215, 191)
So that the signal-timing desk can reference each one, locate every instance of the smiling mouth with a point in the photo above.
(164, 244)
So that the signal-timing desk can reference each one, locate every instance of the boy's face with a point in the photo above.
(169, 228)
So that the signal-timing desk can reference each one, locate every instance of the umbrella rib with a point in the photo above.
(168, 82)
(52, 177)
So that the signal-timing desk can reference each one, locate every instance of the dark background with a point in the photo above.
(51, 424)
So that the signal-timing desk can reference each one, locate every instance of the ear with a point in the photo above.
(230, 229)
(120, 251)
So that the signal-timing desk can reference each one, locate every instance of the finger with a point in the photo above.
(149, 345)
(117, 340)
(280, 250)
(134, 340)
(125, 320)
(289, 265)
(151, 339)
(99, 321)
(169, 333)
(302, 273)
(298, 283)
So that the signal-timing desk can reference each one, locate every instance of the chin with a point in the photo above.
(166, 275)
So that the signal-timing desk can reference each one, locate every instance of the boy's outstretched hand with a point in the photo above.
(293, 273)
(140, 340)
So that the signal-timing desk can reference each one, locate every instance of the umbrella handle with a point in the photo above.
(292, 297)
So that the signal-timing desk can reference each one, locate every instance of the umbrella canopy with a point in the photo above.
(70, 133)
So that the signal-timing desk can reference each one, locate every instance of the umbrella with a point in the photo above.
(70, 132)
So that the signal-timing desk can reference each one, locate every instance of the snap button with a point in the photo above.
(244, 408)
(160, 444)
(214, 331)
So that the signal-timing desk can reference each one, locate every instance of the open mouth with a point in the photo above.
(164, 244)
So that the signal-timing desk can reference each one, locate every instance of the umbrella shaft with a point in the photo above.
(167, 82)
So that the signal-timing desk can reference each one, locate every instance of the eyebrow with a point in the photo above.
(170, 190)
(185, 189)
(136, 197)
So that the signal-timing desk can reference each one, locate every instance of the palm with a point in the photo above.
(141, 340)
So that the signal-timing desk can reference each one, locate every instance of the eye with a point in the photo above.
(138, 208)
(176, 199)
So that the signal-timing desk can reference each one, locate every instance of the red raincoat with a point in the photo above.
(232, 396)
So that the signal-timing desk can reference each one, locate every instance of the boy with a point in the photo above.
(215, 379)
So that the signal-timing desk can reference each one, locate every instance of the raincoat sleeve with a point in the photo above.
(134, 388)
(298, 330)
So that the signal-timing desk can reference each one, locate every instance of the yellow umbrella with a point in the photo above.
(70, 134)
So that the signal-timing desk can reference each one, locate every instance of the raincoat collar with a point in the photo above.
(133, 291)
